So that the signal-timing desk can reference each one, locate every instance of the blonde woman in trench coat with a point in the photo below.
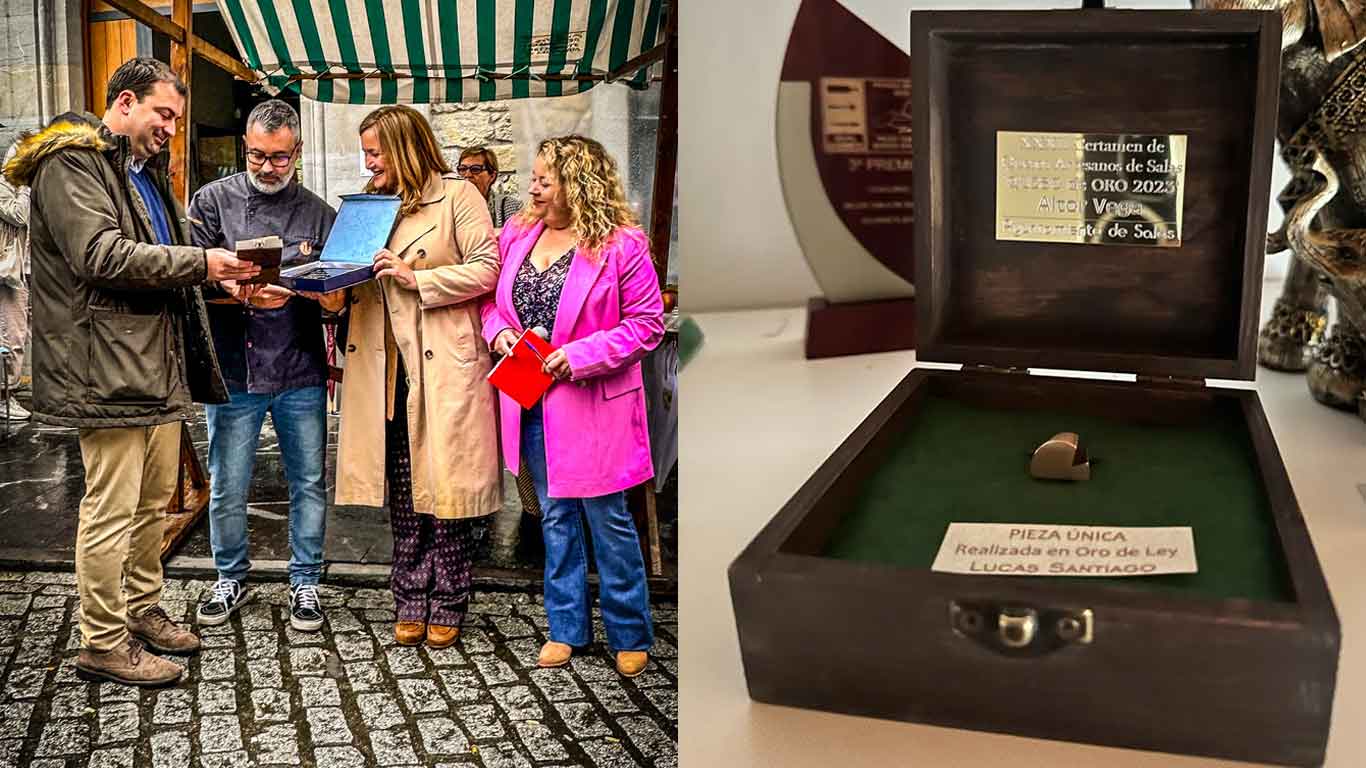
(417, 413)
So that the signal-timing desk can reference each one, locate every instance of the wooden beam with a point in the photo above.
(179, 31)
(191, 497)
(666, 153)
(168, 27)
(223, 60)
(491, 75)
(630, 66)
(182, 16)
(655, 549)
(101, 11)
(91, 103)
(99, 6)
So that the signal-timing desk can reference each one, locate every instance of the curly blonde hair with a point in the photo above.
(592, 188)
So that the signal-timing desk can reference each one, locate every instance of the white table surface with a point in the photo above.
(757, 419)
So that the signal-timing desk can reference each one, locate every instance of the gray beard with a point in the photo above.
(268, 189)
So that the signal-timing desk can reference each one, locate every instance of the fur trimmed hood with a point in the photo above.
(61, 135)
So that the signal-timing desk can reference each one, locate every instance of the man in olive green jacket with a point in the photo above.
(120, 350)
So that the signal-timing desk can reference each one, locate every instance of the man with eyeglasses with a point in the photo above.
(270, 344)
(479, 166)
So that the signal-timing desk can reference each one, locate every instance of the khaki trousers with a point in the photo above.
(13, 330)
(130, 476)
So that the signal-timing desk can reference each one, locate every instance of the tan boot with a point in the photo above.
(158, 632)
(129, 664)
(410, 632)
(439, 636)
(554, 654)
(632, 663)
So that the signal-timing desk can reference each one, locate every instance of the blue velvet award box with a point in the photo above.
(363, 225)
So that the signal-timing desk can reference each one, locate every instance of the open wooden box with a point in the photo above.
(835, 603)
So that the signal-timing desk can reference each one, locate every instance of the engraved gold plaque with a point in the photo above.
(1093, 188)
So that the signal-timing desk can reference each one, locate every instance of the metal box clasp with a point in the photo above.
(1018, 630)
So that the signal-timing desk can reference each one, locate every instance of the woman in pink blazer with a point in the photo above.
(575, 264)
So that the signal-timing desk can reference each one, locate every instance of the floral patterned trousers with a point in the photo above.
(433, 558)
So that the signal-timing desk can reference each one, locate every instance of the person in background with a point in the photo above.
(121, 348)
(270, 344)
(576, 264)
(14, 269)
(479, 166)
(417, 411)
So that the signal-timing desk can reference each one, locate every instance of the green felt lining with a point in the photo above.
(957, 462)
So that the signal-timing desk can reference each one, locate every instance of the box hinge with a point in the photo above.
(1186, 382)
(994, 369)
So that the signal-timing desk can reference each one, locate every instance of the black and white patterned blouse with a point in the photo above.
(536, 295)
(502, 207)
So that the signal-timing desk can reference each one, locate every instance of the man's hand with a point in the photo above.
(557, 364)
(224, 265)
(389, 265)
(502, 343)
(332, 302)
(268, 296)
(241, 291)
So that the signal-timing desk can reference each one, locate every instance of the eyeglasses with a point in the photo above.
(463, 169)
(279, 159)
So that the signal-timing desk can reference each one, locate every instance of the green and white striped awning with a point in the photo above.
(422, 51)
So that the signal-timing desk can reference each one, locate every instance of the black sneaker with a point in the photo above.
(305, 609)
(222, 601)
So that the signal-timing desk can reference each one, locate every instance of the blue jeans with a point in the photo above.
(621, 569)
(300, 420)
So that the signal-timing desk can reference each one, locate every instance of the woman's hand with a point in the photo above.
(557, 365)
(502, 343)
(332, 302)
(389, 265)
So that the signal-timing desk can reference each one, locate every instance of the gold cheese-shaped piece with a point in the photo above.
(1061, 457)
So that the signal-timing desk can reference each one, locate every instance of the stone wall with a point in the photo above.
(19, 103)
(332, 160)
(332, 157)
(513, 128)
(600, 113)
(461, 126)
(332, 163)
(40, 63)
(41, 71)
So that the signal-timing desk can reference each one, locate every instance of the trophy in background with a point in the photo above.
(844, 152)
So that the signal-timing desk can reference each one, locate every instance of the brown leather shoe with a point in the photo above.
(129, 664)
(156, 630)
(554, 654)
(440, 636)
(410, 632)
(632, 663)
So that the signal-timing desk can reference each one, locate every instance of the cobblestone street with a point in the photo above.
(262, 694)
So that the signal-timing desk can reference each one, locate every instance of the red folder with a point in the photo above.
(519, 375)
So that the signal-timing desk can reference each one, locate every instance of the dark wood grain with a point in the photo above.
(858, 327)
(191, 498)
(1169, 671)
(662, 199)
(1172, 672)
(1183, 311)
